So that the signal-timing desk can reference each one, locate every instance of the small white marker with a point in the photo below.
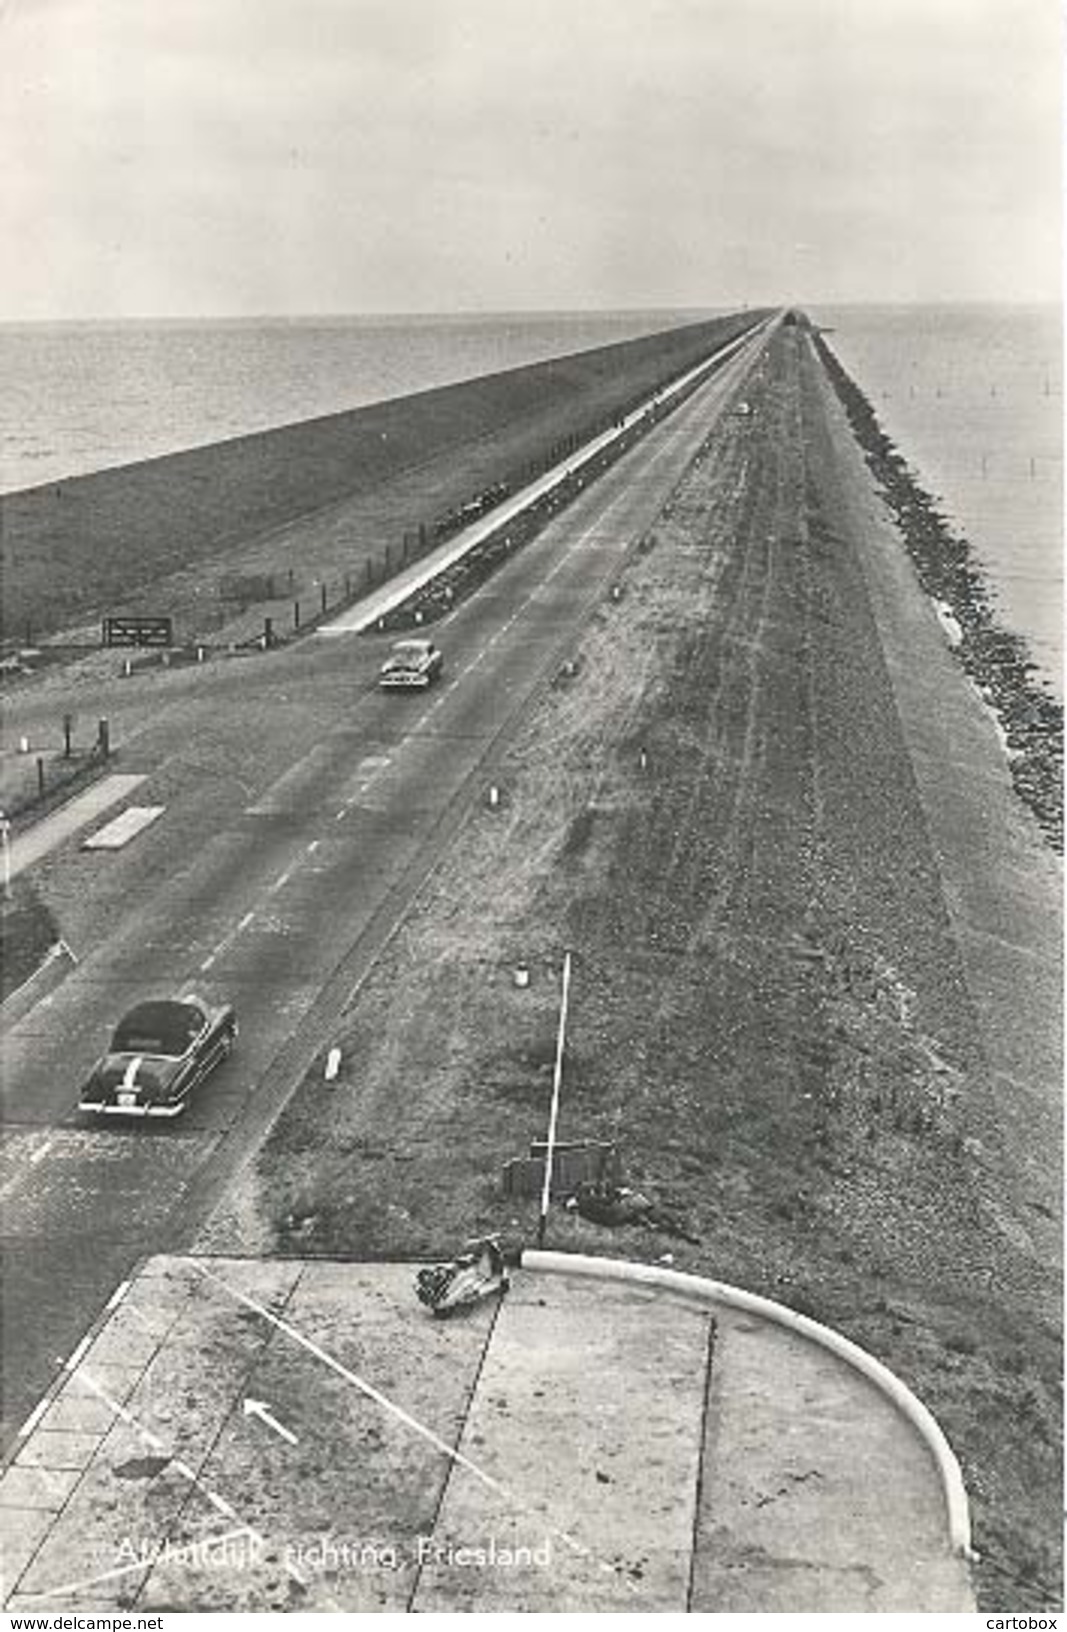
(221, 1504)
(41, 1152)
(118, 1294)
(494, 796)
(34, 1418)
(333, 1064)
(79, 1353)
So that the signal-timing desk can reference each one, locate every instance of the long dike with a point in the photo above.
(71, 546)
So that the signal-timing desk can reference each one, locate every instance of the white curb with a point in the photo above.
(703, 1290)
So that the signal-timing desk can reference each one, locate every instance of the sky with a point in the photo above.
(192, 158)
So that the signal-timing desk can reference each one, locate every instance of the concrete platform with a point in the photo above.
(238, 1435)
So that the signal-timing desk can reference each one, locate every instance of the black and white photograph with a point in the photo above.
(531, 810)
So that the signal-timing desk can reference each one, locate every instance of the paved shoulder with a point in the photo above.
(242, 1435)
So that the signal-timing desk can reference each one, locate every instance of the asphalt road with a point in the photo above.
(303, 809)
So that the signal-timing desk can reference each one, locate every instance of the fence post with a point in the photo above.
(296, 614)
(40, 777)
(322, 588)
(68, 726)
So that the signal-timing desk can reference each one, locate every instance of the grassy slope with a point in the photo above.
(90, 541)
(769, 1011)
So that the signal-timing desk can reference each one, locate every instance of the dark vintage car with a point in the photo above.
(158, 1054)
(413, 663)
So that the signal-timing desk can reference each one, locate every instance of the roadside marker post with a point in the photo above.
(5, 839)
(557, 1080)
(68, 727)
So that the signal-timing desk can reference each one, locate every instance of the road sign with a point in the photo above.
(138, 631)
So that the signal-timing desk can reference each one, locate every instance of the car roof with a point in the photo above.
(416, 642)
(162, 1009)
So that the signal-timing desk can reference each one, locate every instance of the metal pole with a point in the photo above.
(557, 1080)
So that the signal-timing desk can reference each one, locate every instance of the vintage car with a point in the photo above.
(157, 1055)
(412, 663)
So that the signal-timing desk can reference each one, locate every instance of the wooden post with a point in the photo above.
(322, 587)
(40, 777)
(103, 738)
(68, 727)
(296, 614)
(268, 633)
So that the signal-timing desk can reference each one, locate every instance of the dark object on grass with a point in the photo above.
(478, 1273)
(615, 1204)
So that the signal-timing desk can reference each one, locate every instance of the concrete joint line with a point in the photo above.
(703, 1290)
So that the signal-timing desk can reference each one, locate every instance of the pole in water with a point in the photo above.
(557, 1080)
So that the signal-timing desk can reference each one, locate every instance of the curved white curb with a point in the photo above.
(707, 1291)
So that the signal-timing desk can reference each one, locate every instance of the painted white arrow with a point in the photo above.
(258, 1408)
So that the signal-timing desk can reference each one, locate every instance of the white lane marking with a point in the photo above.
(282, 880)
(153, 1440)
(312, 847)
(34, 1417)
(184, 1469)
(76, 1358)
(452, 1452)
(70, 1587)
(221, 1505)
(41, 1152)
(118, 1295)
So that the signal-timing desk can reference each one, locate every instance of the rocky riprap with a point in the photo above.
(996, 659)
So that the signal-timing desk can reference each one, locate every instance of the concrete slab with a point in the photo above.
(560, 1450)
(339, 1510)
(46, 835)
(36, 1487)
(589, 1407)
(58, 1448)
(817, 1495)
(20, 1536)
(117, 833)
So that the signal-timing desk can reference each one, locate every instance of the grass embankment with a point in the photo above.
(91, 543)
(27, 931)
(718, 814)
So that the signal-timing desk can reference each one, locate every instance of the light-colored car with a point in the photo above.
(413, 663)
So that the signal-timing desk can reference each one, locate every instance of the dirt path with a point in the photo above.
(719, 814)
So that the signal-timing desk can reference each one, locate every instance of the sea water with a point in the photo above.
(79, 397)
(973, 398)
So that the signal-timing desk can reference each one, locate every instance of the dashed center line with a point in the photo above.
(377, 763)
